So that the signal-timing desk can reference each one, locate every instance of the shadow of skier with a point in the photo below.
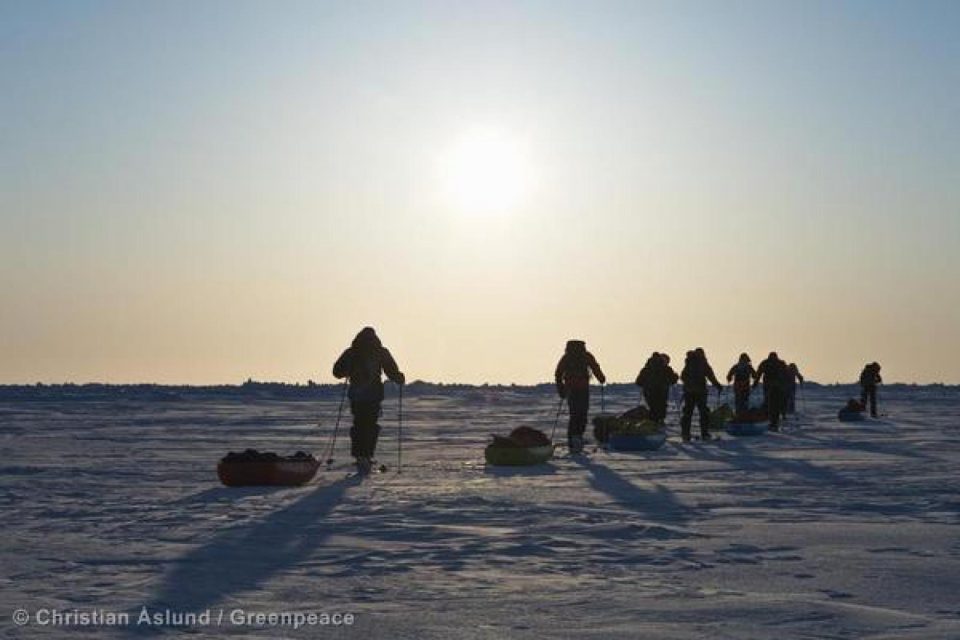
(519, 471)
(225, 495)
(753, 459)
(657, 502)
(244, 557)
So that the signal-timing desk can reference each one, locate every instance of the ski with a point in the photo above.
(710, 440)
(375, 469)
(574, 456)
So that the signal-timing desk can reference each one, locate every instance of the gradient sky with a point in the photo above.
(209, 191)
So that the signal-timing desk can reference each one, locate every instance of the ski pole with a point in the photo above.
(336, 428)
(602, 402)
(400, 431)
(556, 420)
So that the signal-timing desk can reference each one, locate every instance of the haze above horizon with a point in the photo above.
(206, 192)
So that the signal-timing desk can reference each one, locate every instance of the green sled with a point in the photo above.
(517, 456)
(720, 416)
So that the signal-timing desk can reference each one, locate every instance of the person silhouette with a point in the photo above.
(773, 373)
(655, 378)
(869, 379)
(742, 375)
(572, 376)
(364, 363)
(695, 375)
(793, 377)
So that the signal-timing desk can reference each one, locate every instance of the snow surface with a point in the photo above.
(827, 530)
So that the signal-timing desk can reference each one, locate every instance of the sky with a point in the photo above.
(205, 192)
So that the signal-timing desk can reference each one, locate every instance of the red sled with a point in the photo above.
(254, 473)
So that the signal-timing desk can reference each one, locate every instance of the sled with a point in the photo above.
(636, 442)
(849, 415)
(256, 473)
(720, 416)
(746, 428)
(602, 425)
(517, 456)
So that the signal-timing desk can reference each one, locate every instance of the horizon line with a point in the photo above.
(311, 383)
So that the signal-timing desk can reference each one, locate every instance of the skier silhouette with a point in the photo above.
(364, 363)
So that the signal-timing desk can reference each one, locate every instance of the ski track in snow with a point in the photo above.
(826, 530)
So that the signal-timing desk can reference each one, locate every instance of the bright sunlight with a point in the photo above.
(486, 171)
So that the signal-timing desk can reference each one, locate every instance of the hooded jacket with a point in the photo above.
(656, 374)
(793, 376)
(773, 372)
(573, 370)
(696, 373)
(741, 373)
(870, 377)
(364, 363)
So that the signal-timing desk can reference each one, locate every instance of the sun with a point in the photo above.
(486, 171)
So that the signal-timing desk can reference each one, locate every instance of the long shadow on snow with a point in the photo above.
(243, 557)
(904, 450)
(752, 459)
(659, 503)
(545, 469)
(226, 494)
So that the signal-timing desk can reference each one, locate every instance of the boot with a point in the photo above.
(576, 445)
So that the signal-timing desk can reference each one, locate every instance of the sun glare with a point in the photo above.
(486, 171)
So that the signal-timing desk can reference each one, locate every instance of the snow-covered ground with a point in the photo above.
(827, 530)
